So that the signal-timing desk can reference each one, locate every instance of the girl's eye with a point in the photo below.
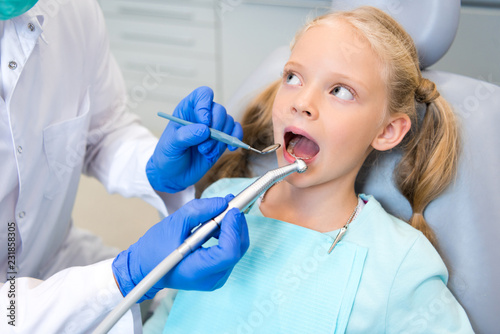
(342, 93)
(292, 79)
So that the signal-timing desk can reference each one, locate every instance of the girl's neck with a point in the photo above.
(321, 208)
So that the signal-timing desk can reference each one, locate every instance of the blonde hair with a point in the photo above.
(431, 148)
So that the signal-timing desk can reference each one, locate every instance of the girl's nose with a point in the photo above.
(305, 103)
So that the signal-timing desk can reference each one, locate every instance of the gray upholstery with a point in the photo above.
(465, 218)
(421, 19)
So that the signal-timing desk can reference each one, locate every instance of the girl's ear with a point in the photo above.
(393, 133)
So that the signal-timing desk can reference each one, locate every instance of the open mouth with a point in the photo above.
(299, 146)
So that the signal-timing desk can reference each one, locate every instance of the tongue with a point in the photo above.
(301, 147)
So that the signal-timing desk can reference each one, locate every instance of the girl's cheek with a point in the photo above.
(278, 113)
(276, 119)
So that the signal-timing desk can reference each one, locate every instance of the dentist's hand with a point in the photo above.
(185, 153)
(204, 269)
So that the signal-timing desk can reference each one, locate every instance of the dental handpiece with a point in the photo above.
(204, 232)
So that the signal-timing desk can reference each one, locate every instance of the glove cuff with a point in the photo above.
(127, 271)
(122, 274)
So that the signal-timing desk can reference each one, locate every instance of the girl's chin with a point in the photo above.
(299, 181)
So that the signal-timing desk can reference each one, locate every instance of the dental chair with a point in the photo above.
(465, 218)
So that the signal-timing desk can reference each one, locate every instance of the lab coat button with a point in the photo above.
(31, 26)
(22, 214)
(12, 65)
(19, 149)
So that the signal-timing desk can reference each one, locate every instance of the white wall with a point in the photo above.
(252, 30)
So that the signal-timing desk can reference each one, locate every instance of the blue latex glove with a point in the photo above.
(185, 153)
(204, 269)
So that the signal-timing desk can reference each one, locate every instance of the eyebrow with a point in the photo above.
(292, 63)
(341, 75)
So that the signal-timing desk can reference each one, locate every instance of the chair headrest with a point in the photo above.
(432, 24)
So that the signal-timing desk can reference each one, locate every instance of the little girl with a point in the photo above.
(350, 87)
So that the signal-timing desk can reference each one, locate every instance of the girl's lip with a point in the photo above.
(290, 158)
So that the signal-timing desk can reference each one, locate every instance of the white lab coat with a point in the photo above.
(62, 112)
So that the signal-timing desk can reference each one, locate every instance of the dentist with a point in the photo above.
(63, 112)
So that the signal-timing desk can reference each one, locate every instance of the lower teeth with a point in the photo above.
(291, 146)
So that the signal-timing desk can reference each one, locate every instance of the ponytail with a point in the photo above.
(257, 132)
(430, 155)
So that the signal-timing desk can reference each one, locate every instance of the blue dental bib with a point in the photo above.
(286, 283)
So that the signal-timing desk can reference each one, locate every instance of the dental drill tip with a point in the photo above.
(302, 166)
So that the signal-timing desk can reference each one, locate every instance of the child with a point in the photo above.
(350, 87)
